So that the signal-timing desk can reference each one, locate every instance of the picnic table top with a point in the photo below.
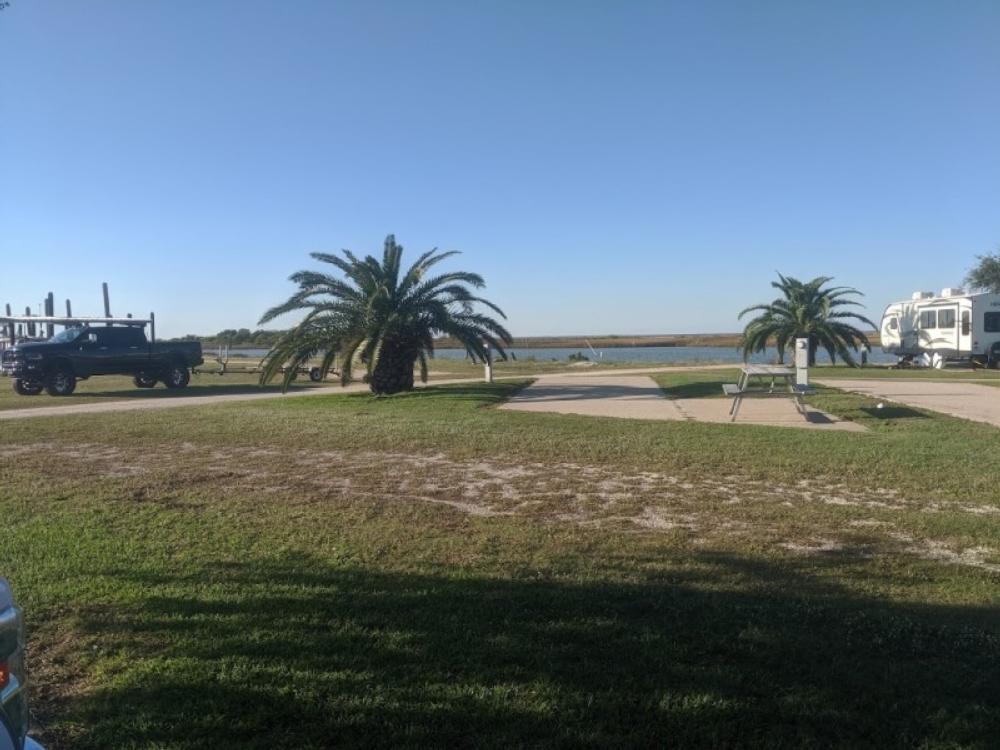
(773, 370)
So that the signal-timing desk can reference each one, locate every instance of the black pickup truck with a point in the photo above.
(81, 352)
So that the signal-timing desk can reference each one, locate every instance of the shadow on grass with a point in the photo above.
(893, 412)
(695, 389)
(434, 395)
(736, 653)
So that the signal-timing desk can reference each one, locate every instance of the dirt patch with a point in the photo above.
(809, 517)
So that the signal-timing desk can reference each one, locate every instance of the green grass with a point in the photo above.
(875, 372)
(118, 388)
(427, 570)
(237, 380)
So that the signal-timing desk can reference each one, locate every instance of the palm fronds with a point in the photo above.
(809, 310)
(383, 315)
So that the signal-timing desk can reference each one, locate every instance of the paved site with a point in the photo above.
(639, 397)
(979, 403)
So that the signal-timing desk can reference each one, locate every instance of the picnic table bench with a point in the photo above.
(746, 388)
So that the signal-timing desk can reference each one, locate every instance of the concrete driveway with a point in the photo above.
(639, 397)
(628, 396)
(979, 403)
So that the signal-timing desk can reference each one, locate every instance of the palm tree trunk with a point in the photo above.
(394, 371)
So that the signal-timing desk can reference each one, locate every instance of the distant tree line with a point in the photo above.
(985, 275)
(261, 338)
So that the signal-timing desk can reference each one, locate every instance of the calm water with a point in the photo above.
(644, 354)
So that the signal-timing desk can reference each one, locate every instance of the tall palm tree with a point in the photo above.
(386, 316)
(809, 310)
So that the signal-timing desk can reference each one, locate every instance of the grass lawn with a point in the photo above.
(425, 570)
(206, 382)
(119, 387)
(990, 377)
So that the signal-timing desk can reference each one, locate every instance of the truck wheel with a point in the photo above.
(315, 375)
(144, 380)
(60, 382)
(26, 387)
(177, 377)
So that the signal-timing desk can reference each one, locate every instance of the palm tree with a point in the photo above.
(387, 317)
(809, 310)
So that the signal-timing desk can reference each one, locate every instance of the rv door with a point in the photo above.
(965, 330)
(946, 342)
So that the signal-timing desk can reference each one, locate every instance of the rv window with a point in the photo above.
(893, 324)
(966, 323)
(928, 319)
(991, 322)
(946, 319)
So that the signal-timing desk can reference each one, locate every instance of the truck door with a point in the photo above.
(96, 352)
(134, 349)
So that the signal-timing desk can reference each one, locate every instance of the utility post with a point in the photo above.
(802, 362)
(488, 363)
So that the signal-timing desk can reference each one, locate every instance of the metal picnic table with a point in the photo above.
(746, 387)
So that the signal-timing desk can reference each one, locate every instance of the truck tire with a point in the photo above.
(316, 375)
(144, 380)
(178, 376)
(60, 381)
(27, 387)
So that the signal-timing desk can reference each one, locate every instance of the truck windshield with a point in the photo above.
(64, 337)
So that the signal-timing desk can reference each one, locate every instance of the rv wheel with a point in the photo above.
(315, 375)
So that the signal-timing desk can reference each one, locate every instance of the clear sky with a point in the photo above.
(610, 167)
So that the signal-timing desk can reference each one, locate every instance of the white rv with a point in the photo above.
(937, 328)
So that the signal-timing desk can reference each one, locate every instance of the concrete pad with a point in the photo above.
(979, 403)
(638, 397)
(628, 396)
(772, 412)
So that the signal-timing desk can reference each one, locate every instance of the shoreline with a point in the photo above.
(584, 343)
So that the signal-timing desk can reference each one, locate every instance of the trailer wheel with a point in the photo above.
(144, 380)
(60, 382)
(316, 375)
(177, 376)
(27, 387)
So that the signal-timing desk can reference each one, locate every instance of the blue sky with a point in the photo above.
(609, 167)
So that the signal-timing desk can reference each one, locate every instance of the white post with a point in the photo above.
(802, 362)
(488, 364)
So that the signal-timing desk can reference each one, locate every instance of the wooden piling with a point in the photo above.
(107, 300)
(50, 311)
